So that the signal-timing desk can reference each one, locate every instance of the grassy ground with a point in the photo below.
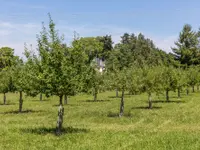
(94, 125)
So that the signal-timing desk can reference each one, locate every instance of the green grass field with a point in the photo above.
(95, 125)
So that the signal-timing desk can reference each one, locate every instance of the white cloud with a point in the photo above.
(15, 35)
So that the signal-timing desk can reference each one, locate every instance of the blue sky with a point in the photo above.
(160, 20)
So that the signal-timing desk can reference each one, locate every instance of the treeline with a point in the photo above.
(134, 65)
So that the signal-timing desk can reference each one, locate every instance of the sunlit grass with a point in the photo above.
(95, 125)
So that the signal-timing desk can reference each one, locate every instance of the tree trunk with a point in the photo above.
(150, 101)
(4, 98)
(117, 95)
(193, 89)
(179, 93)
(61, 98)
(40, 96)
(122, 104)
(60, 118)
(167, 95)
(20, 101)
(198, 87)
(66, 99)
(95, 94)
(187, 91)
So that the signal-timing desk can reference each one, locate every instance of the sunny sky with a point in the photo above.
(160, 20)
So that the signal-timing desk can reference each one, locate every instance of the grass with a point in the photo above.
(95, 125)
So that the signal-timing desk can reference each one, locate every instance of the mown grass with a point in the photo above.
(95, 125)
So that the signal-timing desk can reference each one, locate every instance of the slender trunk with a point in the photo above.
(60, 100)
(150, 101)
(117, 95)
(122, 104)
(40, 96)
(179, 93)
(4, 98)
(20, 101)
(167, 95)
(187, 91)
(193, 89)
(66, 99)
(198, 87)
(95, 94)
(60, 118)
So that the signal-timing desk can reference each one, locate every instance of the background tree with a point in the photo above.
(151, 78)
(169, 81)
(187, 50)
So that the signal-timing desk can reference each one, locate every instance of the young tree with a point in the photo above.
(181, 79)
(151, 81)
(192, 75)
(169, 81)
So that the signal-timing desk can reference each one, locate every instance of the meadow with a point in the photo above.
(92, 125)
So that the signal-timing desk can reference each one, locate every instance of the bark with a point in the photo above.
(61, 98)
(193, 89)
(179, 93)
(150, 101)
(4, 98)
(95, 94)
(117, 95)
(167, 95)
(187, 91)
(20, 101)
(197, 87)
(122, 104)
(40, 96)
(66, 99)
(60, 118)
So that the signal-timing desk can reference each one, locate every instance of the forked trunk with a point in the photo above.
(40, 96)
(150, 101)
(167, 95)
(122, 105)
(66, 99)
(4, 98)
(20, 101)
(60, 118)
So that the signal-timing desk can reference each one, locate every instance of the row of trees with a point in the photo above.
(135, 65)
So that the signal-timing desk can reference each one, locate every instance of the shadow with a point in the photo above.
(23, 112)
(44, 100)
(7, 104)
(142, 107)
(114, 97)
(92, 101)
(116, 115)
(160, 101)
(44, 131)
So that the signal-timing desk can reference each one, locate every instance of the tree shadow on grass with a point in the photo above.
(8, 104)
(23, 112)
(92, 101)
(114, 97)
(161, 101)
(145, 107)
(44, 130)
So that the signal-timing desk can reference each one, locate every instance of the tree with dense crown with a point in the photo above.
(187, 50)
(151, 82)
(192, 77)
(169, 81)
